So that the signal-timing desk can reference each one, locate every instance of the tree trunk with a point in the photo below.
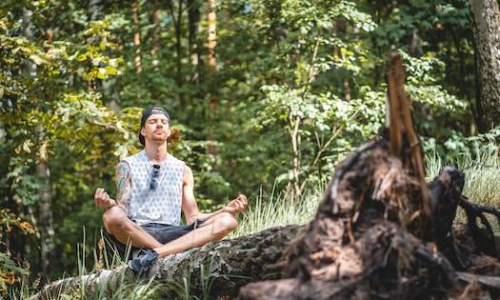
(223, 266)
(212, 67)
(155, 47)
(194, 49)
(45, 218)
(95, 9)
(212, 34)
(486, 30)
(137, 36)
(177, 17)
(194, 18)
(294, 124)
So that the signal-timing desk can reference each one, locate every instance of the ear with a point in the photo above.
(142, 132)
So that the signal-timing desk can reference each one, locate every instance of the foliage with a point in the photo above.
(10, 271)
(315, 125)
(297, 85)
(47, 119)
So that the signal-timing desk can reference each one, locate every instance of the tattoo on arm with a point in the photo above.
(123, 184)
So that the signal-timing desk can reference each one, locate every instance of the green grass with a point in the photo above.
(482, 173)
(481, 168)
(278, 210)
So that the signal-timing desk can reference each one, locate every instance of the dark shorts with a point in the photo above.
(161, 232)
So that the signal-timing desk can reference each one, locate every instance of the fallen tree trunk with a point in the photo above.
(223, 267)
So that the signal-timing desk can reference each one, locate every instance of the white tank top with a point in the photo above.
(162, 205)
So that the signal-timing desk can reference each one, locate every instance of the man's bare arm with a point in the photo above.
(190, 207)
(123, 185)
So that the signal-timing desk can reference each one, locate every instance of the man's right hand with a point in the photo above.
(102, 199)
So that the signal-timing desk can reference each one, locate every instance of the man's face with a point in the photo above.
(156, 129)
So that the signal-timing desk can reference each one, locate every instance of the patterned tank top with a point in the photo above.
(161, 205)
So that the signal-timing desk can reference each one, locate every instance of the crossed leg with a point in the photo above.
(215, 228)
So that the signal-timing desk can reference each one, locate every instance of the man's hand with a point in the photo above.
(102, 199)
(237, 205)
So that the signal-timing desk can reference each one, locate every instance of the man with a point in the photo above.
(153, 187)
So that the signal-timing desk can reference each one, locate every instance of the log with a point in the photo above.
(224, 266)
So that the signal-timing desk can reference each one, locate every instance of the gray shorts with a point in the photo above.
(166, 233)
(161, 232)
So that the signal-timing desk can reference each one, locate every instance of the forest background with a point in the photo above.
(266, 97)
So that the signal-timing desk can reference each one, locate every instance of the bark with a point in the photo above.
(137, 37)
(230, 264)
(195, 70)
(156, 33)
(293, 131)
(177, 19)
(95, 9)
(212, 67)
(446, 192)
(45, 218)
(486, 31)
(366, 268)
(212, 34)
(194, 49)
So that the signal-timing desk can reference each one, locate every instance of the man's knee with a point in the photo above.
(114, 217)
(226, 223)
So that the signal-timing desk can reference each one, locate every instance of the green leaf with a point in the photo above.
(111, 70)
(82, 57)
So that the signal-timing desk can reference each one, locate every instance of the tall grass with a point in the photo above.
(482, 174)
(278, 210)
(481, 167)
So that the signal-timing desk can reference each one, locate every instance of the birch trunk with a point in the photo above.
(212, 67)
(45, 217)
(137, 37)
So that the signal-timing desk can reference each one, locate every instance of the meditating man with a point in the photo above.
(153, 187)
